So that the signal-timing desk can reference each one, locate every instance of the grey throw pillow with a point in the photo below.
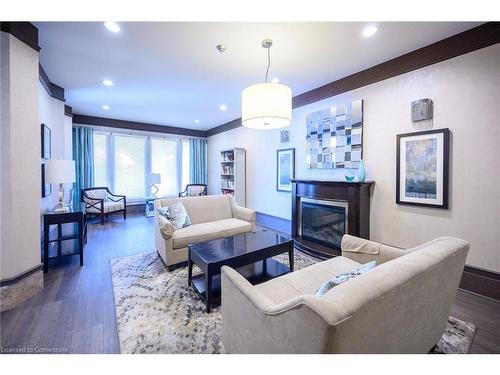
(343, 277)
(176, 214)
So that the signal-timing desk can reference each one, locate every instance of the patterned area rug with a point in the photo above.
(156, 312)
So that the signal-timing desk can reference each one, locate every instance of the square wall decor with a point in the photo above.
(335, 136)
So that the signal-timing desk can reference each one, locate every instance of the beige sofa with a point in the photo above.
(400, 306)
(212, 216)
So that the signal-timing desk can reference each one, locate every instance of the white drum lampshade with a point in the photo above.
(266, 106)
(60, 171)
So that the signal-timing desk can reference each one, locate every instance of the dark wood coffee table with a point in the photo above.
(249, 253)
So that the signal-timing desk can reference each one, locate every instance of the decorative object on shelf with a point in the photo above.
(349, 175)
(155, 179)
(285, 169)
(285, 136)
(232, 174)
(46, 188)
(335, 136)
(361, 171)
(46, 141)
(61, 172)
(266, 105)
(422, 168)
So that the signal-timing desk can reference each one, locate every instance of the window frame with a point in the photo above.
(148, 166)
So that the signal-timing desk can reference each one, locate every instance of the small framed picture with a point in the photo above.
(422, 164)
(46, 188)
(285, 169)
(46, 142)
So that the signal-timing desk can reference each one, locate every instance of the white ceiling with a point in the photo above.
(171, 73)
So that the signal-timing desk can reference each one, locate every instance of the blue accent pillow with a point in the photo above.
(343, 277)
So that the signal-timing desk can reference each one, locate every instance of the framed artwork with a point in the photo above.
(335, 136)
(422, 163)
(46, 188)
(285, 167)
(46, 142)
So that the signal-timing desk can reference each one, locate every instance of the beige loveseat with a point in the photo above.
(400, 306)
(212, 216)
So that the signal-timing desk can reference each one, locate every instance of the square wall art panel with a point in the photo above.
(335, 136)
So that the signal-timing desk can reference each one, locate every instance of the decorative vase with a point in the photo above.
(361, 172)
(349, 176)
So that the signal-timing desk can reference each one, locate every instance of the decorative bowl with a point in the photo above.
(349, 178)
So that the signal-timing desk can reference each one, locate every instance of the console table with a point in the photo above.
(76, 233)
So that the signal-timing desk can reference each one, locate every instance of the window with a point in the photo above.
(100, 159)
(185, 163)
(129, 168)
(124, 163)
(164, 161)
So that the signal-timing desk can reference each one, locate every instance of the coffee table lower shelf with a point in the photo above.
(254, 273)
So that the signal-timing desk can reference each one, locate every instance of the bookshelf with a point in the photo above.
(232, 174)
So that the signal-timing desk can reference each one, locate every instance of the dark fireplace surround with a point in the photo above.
(323, 204)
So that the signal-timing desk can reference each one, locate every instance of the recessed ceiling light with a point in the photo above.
(222, 107)
(197, 121)
(108, 82)
(112, 26)
(369, 31)
(275, 80)
(105, 106)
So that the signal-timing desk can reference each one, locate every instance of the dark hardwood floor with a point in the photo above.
(74, 313)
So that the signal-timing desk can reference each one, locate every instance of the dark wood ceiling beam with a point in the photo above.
(132, 125)
(26, 32)
(55, 91)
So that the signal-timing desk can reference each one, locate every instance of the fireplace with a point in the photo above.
(323, 211)
(323, 221)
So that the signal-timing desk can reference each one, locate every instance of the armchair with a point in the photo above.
(99, 201)
(194, 190)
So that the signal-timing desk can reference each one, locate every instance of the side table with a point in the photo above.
(150, 206)
(78, 233)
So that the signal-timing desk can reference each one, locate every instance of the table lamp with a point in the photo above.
(155, 179)
(60, 172)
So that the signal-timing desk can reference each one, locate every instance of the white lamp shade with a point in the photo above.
(60, 171)
(156, 178)
(266, 106)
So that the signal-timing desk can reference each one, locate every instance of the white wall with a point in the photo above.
(465, 91)
(51, 113)
(20, 158)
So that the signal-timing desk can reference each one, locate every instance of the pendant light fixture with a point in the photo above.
(266, 105)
